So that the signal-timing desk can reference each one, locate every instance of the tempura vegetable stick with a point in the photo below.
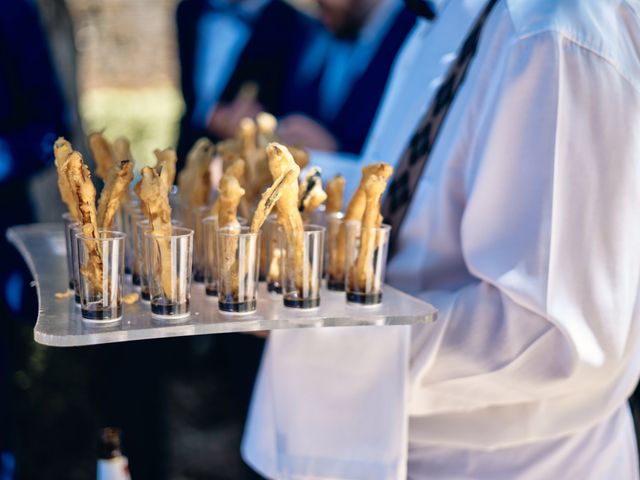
(166, 160)
(102, 153)
(121, 149)
(300, 156)
(355, 211)
(280, 162)
(374, 189)
(230, 194)
(236, 170)
(335, 194)
(61, 150)
(311, 193)
(114, 190)
(270, 198)
(267, 126)
(154, 194)
(193, 181)
(84, 193)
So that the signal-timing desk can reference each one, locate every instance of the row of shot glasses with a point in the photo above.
(228, 261)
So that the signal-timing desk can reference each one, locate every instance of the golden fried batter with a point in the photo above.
(335, 194)
(114, 190)
(281, 162)
(103, 154)
(84, 193)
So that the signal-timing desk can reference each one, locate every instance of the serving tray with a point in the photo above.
(60, 323)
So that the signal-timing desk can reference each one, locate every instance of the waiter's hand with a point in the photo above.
(299, 129)
(226, 117)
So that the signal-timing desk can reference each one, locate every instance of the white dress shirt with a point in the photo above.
(523, 233)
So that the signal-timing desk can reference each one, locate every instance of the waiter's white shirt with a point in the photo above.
(523, 232)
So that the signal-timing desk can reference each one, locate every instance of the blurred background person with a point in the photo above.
(32, 115)
(323, 77)
(223, 45)
(331, 99)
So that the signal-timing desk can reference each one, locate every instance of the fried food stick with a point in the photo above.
(300, 156)
(84, 192)
(230, 194)
(374, 188)
(270, 197)
(236, 170)
(114, 190)
(193, 181)
(121, 149)
(247, 132)
(103, 154)
(61, 150)
(355, 211)
(311, 193)
(166, 161)
(154, 194)
(280, 162)
(267, 126)
(335, 194)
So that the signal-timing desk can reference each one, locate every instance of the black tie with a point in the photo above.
(416, 155)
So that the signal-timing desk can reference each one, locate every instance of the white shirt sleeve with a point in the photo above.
(549, 231)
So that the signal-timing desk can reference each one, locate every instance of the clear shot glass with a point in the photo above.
(69, 223)
(238, 270)
(170, 259)
(131, 212)
(142, 257)
(210, 228)
(135, 217)
(334, 252)
(101, 276)
(366, 259)
(210, 240)
(75, 262)
(302, 271)
(273, 255)
(198, 214)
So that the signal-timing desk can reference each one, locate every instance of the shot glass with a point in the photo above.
(273, 255)
(210, 241)
(130, 213)
(238, 269)
(170, 260)
(142, 257)
(69, 223)
(101, 275)
(334, 251)
(75, 262)
(366, 259)
(135, 217)
(210, 248)
(265, 248)
(198, 214)
(302, 270)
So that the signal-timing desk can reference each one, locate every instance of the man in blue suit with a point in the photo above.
(330, 101)
(324, 78)
(225, 44)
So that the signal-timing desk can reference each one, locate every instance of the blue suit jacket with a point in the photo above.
(277, 36)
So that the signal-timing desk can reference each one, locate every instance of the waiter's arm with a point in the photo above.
(549, 230)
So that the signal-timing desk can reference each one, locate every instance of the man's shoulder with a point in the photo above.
(607, 28)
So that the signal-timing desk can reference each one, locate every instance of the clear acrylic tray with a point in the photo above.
(60, 323)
